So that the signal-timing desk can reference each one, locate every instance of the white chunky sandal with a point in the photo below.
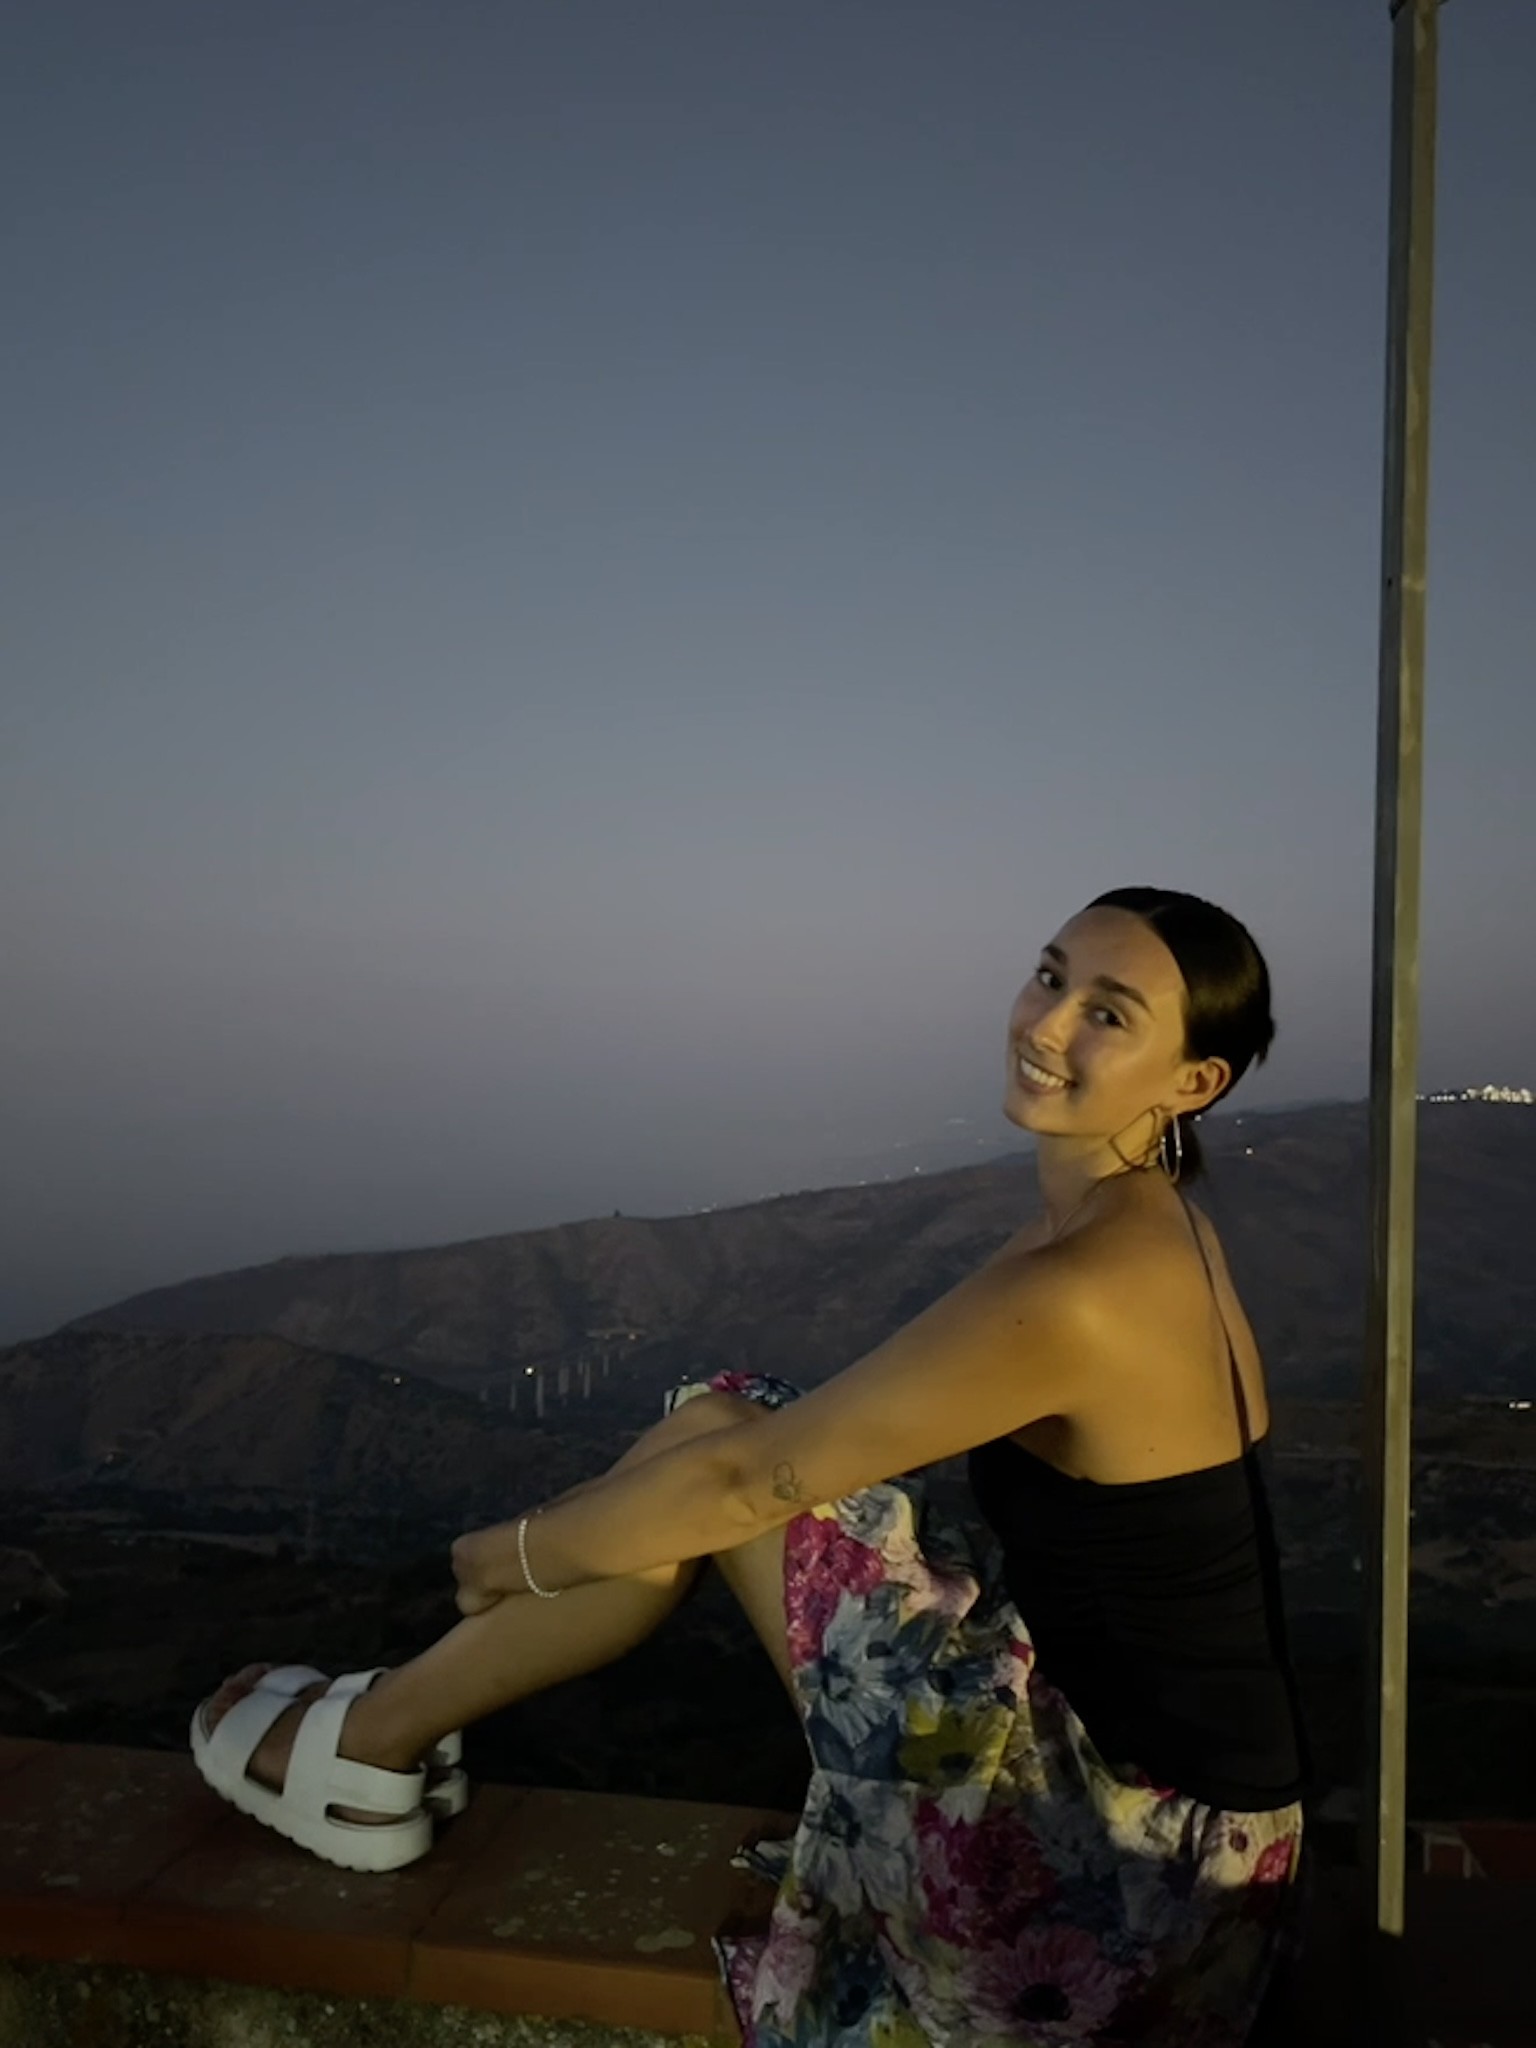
(447, 1792)
(317, 1780)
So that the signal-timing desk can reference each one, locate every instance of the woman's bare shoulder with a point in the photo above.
(1141, 1240)
(1155, 1391)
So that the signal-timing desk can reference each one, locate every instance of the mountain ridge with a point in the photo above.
(801, 1284)
(253, 1421)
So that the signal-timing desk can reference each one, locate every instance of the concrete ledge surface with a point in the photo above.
(86, 2005)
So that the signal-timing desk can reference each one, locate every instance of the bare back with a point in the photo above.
(1157, 1397)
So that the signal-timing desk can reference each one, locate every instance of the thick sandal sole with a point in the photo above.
(352, 1845)
(446, 1797)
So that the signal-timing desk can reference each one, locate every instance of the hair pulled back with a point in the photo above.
(1226, 990)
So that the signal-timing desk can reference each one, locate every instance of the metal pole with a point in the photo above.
(1388, 1411)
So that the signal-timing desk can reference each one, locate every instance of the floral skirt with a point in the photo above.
(968, 1869)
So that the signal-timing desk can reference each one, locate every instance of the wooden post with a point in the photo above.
(1394, 997)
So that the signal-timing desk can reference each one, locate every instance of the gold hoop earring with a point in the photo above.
(1173, 1171)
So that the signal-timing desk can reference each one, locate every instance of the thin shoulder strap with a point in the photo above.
(1237, 1380)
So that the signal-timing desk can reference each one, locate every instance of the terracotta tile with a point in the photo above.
(16, 1750)
(561, 1987)
(1506, 1849)
(725, 2027)
(1462, 1958)
(245, 1904)
(1445, 1858)
(82, 1828)
(596, 1906)
(1466, 1950)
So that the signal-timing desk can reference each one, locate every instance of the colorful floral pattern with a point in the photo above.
(968, 1869)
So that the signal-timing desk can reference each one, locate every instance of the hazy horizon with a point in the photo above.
(588, 587)
(938, 1152)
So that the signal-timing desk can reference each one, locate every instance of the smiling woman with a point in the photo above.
(1057, 1761)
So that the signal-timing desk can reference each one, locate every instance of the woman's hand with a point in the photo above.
(486, 1563)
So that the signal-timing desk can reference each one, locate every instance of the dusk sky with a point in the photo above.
(586, 584)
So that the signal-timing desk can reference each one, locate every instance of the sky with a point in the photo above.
(585, 586)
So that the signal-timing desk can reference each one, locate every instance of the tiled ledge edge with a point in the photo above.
(66, 2005)
(561, 1908)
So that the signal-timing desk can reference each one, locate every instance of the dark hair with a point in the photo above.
(1226, 1000)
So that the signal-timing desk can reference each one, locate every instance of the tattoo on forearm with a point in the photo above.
(785, 1485)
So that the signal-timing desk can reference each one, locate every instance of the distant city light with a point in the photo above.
(1519, 1404)
(1490, 1093)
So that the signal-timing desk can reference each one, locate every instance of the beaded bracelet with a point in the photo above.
(522, 1552)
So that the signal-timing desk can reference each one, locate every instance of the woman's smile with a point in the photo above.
(1037, 1079)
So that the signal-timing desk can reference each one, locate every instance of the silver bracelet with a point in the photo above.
(522, 1552)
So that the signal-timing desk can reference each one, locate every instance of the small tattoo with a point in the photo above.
(785, 1485)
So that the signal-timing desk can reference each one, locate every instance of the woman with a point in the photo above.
(1057, 1762)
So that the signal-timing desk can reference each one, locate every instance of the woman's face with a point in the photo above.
(1104, 1010)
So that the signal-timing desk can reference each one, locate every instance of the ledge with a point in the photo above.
(1501, 1849)
(1462, 1967)
(138, 1910)
(569, 1905)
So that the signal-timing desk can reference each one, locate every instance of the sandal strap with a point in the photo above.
(239, 1733)
(446, 1753)
(291, 1679)
(353, 1683)
(318, 1778)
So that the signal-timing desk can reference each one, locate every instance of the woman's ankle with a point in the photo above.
(379, 1731)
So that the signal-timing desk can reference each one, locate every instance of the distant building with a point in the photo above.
(1490, 1093)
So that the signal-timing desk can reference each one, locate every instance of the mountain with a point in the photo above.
(253, 1424)
(163, 1461)
(804, 1283)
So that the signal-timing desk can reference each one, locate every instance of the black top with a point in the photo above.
(1155, 1608)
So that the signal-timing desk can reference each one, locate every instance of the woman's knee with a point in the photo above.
(678, 1580)
(716, 1409)
(701, 1416)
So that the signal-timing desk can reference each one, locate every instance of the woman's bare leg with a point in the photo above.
(520, 1646)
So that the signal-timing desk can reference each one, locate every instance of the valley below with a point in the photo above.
(272, 1464)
